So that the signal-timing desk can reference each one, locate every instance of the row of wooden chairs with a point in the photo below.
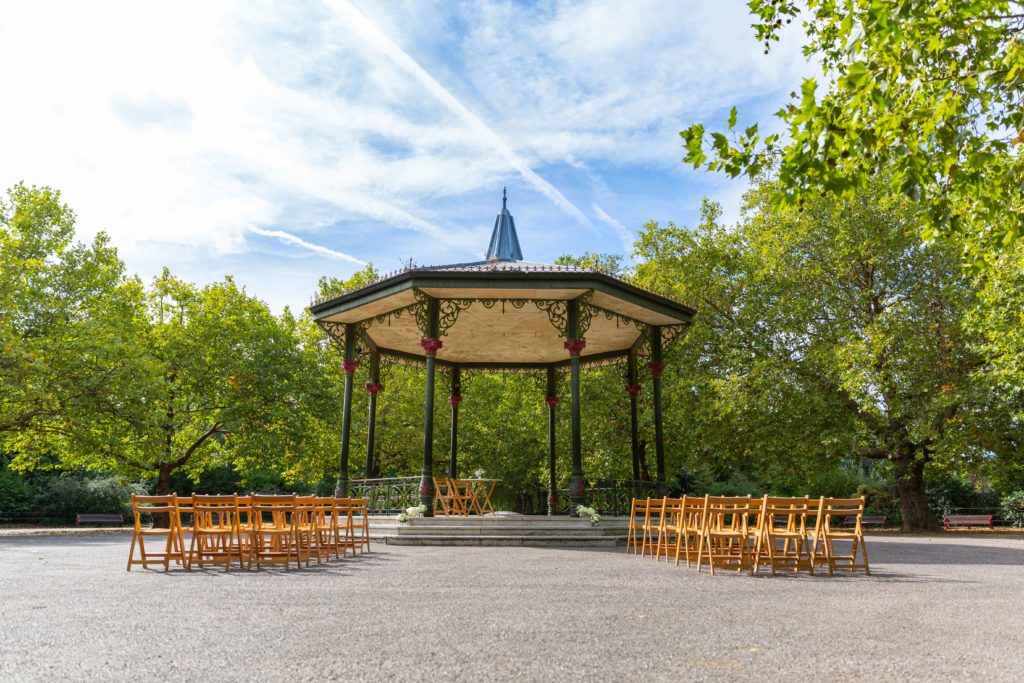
(265, 530)
(462, 496)
(744, 532)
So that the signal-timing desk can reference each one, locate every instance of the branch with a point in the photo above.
(196, 444)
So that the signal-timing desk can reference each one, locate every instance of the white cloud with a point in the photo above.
(201, 134)
(367, 30)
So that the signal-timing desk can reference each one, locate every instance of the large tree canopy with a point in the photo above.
(65, 312)
(929, 92)
(98, 374)
(828, 333)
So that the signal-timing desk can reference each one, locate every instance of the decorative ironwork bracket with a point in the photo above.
(335, 332)
(669, 334)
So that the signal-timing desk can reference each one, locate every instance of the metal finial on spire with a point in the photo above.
(504, 244)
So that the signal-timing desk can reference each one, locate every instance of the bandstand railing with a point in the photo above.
(393, 494)
(387, 495)
(610, 496)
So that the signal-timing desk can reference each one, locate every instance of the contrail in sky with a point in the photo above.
(378, 39)
(299, 242)
(621, 230)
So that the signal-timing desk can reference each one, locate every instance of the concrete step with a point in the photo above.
(510, 531)
(503, 529)
(505, 540)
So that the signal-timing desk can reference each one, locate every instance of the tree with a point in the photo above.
(606, 263)
(214, 378)
(928, 94)
(827, 333)
(64, 311)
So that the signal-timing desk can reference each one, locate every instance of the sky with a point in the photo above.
(278, 142)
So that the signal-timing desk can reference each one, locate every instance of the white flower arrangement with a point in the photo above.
(584, 511)
(411, 513)
(478, 474)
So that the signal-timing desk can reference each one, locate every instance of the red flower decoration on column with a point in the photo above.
(552, 401)
(374, 389)
(577, 488)
(350, 366)
(575, 346)
(656, 369)
(431, 345)
(454, 400)
(427, 488)
(632, 389)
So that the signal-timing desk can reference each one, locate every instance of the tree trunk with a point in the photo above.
(911, 492)
(163, 487)
(645, 474)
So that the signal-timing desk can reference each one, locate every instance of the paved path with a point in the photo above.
(935, 609)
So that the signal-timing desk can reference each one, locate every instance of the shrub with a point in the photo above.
(737, 484)
(881, 500)
(67, 496)
(15, 492)
(948, 495)
(1013, 508)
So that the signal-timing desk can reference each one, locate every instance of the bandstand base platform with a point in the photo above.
(501, 529)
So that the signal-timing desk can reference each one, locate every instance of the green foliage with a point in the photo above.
(610, 264)
(955, 494)
(70, 495)
(824, 334)
(15, 492)
(331, 287)
(927, 94)
(64, 309)
(739, 483)
(114, 379)
(881, 500)
(1013, 509)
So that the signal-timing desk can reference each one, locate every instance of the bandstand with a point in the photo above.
(503, 314)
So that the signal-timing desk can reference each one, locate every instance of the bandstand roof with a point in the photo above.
(502, 312)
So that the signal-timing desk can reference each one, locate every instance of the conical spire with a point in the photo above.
(504, 242)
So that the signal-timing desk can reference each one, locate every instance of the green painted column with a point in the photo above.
(373, 387)
(657, 367)
(349, 364)
(632, 388)
(431, 344)
(551, 398)
(575, 346)
(455, 400)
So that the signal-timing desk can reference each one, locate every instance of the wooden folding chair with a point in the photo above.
(822, 547)
(275, 535)
(724, 535)
(327, 527)
(345, 534)
(781, 534)
(442, 496)
(360, 524)
(463, 497)
(485, 489)
(672, 526)
(184, 518)
(217, 532)
(692, 521)
(652, 525)
(309, 535)
(174, 549)
(637, 511)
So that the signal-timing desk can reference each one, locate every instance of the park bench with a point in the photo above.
(865, 521)
(92, 518)
(966, 520)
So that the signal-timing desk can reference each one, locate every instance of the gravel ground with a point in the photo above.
(934, 609)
